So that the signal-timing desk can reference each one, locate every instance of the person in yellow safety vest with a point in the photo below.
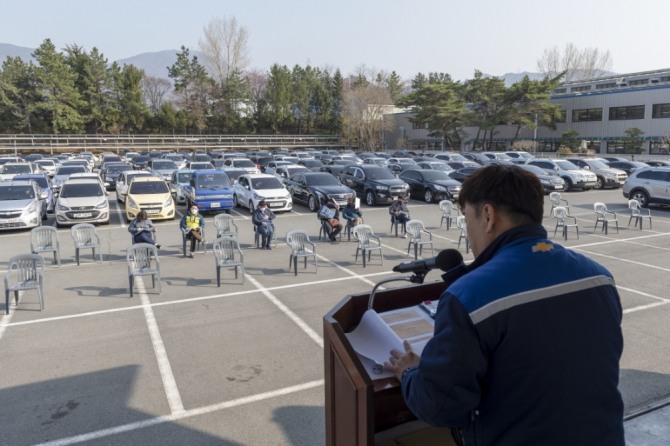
(192, 224)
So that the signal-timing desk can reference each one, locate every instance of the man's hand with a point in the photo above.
(399, 362)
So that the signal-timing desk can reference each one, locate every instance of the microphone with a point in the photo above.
(446, 260)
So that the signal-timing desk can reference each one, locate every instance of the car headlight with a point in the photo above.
(441, 188)
(60, 207)
(131, 203)
(32, 208)
(167, 202)
(382, 188)
(258, 197)
(101, 205)
(546, 182)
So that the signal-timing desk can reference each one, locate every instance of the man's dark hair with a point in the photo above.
(510, 189)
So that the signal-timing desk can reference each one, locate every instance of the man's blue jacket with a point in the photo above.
(526, 349)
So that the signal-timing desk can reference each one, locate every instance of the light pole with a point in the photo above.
(535, 136)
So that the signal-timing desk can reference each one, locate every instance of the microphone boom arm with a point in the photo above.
(416, 277)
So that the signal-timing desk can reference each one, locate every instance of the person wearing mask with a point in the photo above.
(352, 214)
(399, 213)
(192, 224)
(143, 229)
(262, 219)
(329, 215)
(527, 342)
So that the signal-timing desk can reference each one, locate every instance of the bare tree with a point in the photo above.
(154, 90)
(364, 109)
(578, 64)
(257, 81)
(224, 45)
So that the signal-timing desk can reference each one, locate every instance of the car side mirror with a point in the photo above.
(586, 168)
(557, 169)
(44, 195)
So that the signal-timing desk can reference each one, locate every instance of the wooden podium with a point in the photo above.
(358, 407)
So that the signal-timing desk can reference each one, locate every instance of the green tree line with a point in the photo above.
(78, 91)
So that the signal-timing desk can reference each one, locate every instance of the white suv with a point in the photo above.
(573, 176)
(250, 189)
(648, 185)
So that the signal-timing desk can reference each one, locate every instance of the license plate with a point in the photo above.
(216, 205)
(152, 211)
(275, 205)
(394, 198)
(83, 215)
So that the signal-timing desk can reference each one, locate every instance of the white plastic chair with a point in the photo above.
(44, 239)
(200, 245)
(557, 200)
(462, 225)
(367, 242)
(638, 213)
(225, 226)
(449, 213)
(298, 241)
(604, 217)
(227, 254)
(142, 260)
(85, 236)
(563, 221)
(24, 272)
(419, 237)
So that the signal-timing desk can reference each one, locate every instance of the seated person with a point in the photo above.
(262, 219)
(143, 229)
(192, 224)
(352, 214)
(399, 212)
(329, 215)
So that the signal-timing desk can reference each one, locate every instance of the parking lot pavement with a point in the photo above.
(243, 363)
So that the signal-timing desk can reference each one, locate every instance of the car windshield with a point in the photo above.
(244, 163)
(141, 159)
(40, 179)
(380, 173)
(266, 183)
(148, 187)
(201, 166)
(116, 168)
(16, 193)
(435, 175)
(165, 165)
(184, 177)
(214, 181)
(77, 190)
(16, 168)
(68, 170)
(595, 164)
(45, 163)
(566, 165)
(322, 180)
(441, 166)
(311, 163)
(533, 169)
(175, 158)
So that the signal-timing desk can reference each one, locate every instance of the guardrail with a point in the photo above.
(117, 143)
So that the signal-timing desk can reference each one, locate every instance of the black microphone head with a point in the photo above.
(448, 259)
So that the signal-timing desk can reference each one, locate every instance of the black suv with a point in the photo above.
(376, 184)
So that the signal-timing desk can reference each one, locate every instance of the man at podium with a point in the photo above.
(527, 343)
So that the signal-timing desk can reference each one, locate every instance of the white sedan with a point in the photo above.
(250, 189)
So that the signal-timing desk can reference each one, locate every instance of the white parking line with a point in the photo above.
(182, 415)
(169, 383)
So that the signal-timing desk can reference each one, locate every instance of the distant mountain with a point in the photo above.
(9, 50)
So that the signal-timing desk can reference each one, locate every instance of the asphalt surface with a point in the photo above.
(243, 364)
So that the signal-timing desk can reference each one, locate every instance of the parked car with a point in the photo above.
(233, 173)
(461, 174)
(10, 170)
(500, 156)
(42, 180)
(162, 168)
(551, 182)
(606, 175)
(476, 157)
(252, 188)
(179, 179)
(431, 185)
(210, 190)
(435, 165)
(649, 185)
(271, 166)
(446, 156)
(62, 174)
(82, 201)
(609, 158)
(627, 166)
(375, 184)
(457, 165)
(47, 166)
(123, 182)
(242, 163)
(179, 160)
(312, 164)
(285, 172)
(111, 172)
(573, 176)
(658, 163)
(22, 205)
(150, 194)
(313, 188)
(199, 165)
(519, 156)
(397, 165)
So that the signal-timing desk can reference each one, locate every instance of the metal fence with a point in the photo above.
(54, 144)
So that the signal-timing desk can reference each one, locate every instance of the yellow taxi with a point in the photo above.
(152, 195)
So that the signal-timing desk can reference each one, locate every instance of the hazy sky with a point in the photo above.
(494, 36)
